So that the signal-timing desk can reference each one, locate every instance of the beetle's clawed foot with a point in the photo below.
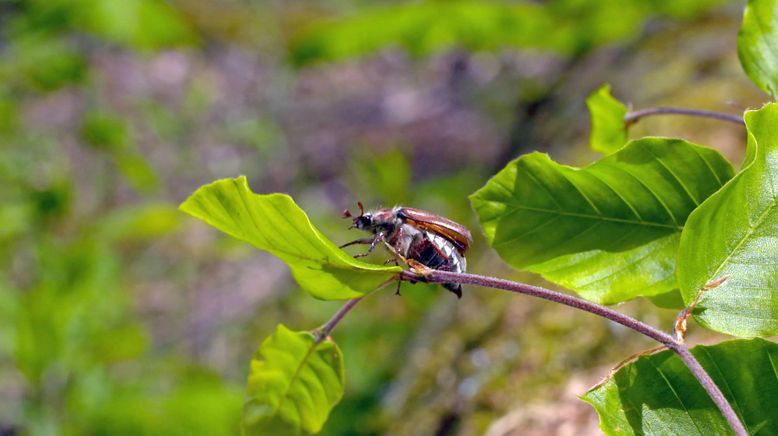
(419, 268)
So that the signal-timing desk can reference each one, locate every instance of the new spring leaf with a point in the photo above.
(274, 223)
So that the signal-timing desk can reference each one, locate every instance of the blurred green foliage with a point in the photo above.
(81, 358)
(568, 27)
(111, 112)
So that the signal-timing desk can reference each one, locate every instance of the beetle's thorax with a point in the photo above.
(384, 221)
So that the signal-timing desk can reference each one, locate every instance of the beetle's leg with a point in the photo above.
(399, 282)
(358, 241)
(419, 268)
(373, 242)
(395, 249)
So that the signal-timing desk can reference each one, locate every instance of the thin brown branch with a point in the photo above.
(435, 276)
(325, 330)
(634, 117)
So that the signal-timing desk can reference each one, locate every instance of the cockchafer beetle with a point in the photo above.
(413, 234)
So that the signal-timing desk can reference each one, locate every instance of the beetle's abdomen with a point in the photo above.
(437, 252)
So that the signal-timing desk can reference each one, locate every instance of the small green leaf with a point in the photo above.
(757, 44)
(608, 130)
(657, 394)
(293, 384)
(735, 233)
(610, 230)
(274, 223)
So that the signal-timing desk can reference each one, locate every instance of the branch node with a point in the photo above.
(680, 322)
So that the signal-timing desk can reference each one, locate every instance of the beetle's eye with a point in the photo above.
(364, 221)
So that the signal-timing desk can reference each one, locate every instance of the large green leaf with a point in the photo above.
(735, 233)
(274, 223)
(657, 394)
(757, 44)
(293, 384)
(610, 230)
(608, 131)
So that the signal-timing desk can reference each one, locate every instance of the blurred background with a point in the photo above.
(121, 315)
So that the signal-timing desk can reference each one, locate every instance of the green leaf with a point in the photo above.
(735, 233)
(657, 394)
(608, 131)
(610, 230)
(274, 223)
(293, 384)
(757, 44)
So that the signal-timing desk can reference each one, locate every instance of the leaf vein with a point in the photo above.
(733, 400)
(747, 235)
(543, 187)
(653, 194)
(678, 397)
(580, 191)
(618, 194)
(675, 176)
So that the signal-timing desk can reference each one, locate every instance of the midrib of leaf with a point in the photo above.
(588, 216)
(278, 213)
(528, 232)
(294, 377)
(746, 236)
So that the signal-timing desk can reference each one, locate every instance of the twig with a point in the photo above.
(680, 321)
(435, 276)
(325, 330)
(634, 117)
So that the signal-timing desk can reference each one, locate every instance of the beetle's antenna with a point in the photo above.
(346, 213)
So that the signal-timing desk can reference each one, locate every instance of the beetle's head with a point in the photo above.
(362, 222)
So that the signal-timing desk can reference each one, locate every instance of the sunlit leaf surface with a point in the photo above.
(608, 131)
(657, 394)
(293, 384)
(274, 223)
(735, 234)
(757, 44)
(610, 230)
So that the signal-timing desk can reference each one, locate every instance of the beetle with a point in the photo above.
(432, 240)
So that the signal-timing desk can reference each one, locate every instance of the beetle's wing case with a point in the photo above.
(454, 232)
